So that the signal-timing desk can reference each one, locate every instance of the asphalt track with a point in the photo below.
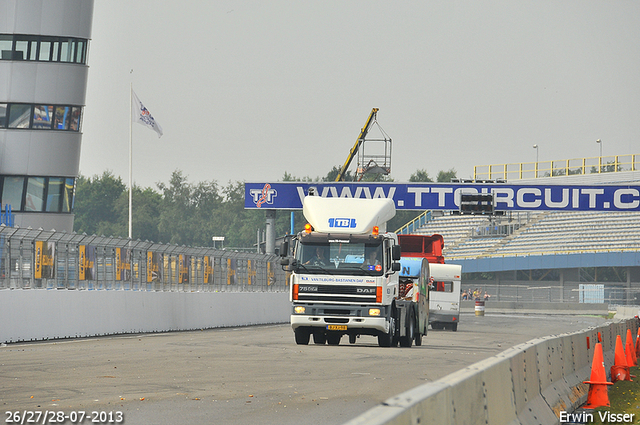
(253, 375)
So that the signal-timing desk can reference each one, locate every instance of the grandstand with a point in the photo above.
(542, 234)
(550, 255)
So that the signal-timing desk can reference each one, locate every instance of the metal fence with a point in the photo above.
(57, 260)
(571, 292)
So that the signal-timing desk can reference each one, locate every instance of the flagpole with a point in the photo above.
(130, 160)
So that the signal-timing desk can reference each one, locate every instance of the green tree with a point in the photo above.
(446, 176)
(145, 212)
(188, 212)
(420, 176)
(333, 173)
(95, 204)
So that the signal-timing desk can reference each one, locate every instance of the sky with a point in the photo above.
(246, 91)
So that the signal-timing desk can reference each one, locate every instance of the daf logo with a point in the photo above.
(366, 290)
(308, 289)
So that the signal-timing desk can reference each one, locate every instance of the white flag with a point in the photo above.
(142, 115)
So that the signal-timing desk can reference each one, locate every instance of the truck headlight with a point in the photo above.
(298, 309)
(374, 312)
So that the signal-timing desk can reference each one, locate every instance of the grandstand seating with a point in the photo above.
(541, 233)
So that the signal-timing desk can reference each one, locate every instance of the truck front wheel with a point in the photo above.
(302, 336)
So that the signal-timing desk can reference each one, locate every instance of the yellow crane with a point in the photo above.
(356, 146)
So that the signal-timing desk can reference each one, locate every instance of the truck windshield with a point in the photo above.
(345, 257)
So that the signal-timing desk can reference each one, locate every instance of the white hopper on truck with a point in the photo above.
(345, 276)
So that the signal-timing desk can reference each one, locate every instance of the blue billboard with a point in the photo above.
(446, 196)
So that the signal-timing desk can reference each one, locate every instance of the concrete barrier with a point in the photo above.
(40, 314)
(530, 383)
(627, 312)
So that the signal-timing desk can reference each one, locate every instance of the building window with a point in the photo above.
(75, 118)
(26, 47)
(12, 189)
(45, 117)
(19, 115)
(3, 115)
(39, 194)
(61, 118)
(45, 50)
(6, 46)
(55, 194)
(42, 117)
(67, 200)
(35, 194)
(21, 47)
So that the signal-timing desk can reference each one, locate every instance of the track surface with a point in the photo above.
(254, 375)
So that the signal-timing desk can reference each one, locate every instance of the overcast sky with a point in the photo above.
(245, 91)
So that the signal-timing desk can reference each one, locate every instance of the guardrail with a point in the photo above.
(415, 224)
(530, 383)
(562, 167)
(38, 259)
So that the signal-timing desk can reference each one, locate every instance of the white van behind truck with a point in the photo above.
(444, 302)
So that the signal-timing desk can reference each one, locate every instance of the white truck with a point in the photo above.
(444, 303)
(344, 276)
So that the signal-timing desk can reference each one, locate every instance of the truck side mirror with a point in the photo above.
(395, 267)
(284, 248)
(396, 253)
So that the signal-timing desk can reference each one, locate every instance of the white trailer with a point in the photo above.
(444, 302)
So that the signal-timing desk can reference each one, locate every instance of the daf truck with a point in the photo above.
(345, 275)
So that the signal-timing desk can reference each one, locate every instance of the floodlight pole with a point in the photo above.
(130, 162)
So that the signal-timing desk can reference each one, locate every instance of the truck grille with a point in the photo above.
(337, 293)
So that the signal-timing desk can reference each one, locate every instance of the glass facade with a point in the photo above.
(42, 48)
(40, 117)
(44, 52)
(37, 194)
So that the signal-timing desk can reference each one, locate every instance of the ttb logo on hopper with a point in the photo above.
(264, 195)
(342, 223)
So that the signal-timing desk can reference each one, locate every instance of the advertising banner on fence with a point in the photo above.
(45, 260)
(154, 267)
(207, 265)
(251, 272)
(446, 196)
(123, 264)
(87, 262)
(184, 262)
(232, 264)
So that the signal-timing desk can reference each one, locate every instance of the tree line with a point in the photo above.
(185, 213)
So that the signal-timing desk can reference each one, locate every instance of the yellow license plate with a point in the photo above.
(336, 327)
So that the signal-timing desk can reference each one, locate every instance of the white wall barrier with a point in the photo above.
(530, 383)
(40, 314)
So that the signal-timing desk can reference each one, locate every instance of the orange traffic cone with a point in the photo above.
(620, 369)
(631, 352)
(598, 392)
(638, 344)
